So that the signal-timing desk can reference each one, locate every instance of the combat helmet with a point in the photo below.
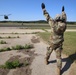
(61, 17)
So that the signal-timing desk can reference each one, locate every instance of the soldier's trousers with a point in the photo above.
(58, 54)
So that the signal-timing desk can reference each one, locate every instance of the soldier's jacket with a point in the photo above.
(57, 27)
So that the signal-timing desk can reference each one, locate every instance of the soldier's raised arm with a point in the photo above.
(46, 14)
(64, 17)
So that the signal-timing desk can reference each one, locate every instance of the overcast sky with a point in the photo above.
(27, 10)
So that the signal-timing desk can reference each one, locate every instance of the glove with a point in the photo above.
(63, 8)
(43, 5)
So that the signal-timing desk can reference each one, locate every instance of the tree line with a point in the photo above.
(39, 21)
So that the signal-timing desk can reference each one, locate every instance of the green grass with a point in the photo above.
(28, 46)
(11, 65)
(45, 36)
(17, 47)
(45, 30)
(8, 37)
(69, 45)
(5, 49)
(14, 64)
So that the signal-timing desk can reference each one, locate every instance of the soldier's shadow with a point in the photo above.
(68, 62)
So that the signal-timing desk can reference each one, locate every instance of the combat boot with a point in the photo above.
(58, 71)
(46, 61)
(47, 56)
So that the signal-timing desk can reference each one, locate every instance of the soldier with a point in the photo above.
(58, 27)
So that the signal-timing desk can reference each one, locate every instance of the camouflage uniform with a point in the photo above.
(58, 27)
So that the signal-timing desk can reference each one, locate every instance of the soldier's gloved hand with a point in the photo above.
(63, 8)
(43, 6)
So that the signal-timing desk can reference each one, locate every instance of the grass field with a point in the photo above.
(69, 45)
(33, 25)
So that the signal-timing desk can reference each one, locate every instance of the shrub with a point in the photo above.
(1, 50)
(8, 37)
(15, 33)
(0, 37)
(2, 42)
(17, 47)
(13, 64)
(9, 65)
(5, 49)
(28, 46)
(18, 37)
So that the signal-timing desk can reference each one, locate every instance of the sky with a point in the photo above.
(30, 10)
